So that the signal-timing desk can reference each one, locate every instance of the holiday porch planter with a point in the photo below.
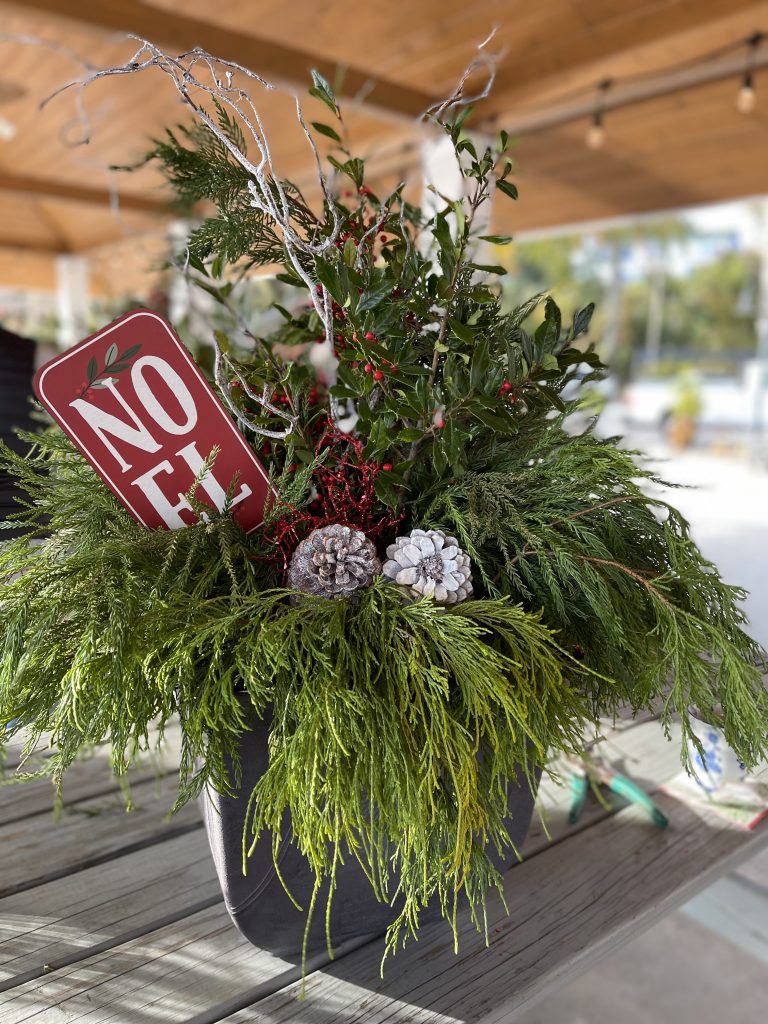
(371, 660)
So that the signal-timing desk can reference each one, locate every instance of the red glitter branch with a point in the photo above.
(345, 485)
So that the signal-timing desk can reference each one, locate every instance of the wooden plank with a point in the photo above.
(84, 779)
(197, 940)
(570, 905)
(36, 850)
(167, 975)
(273, 59)
(89, 777)
(81, 914)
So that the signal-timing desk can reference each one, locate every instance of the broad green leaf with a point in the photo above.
(496, 239)
(410, 434)
(489, 268)
(581, 320)
(372, 298)
(321, 90)
(111, 355)
(93, 370)
(329, 277)
(462, 331)
(325, 129)
(507, 188)
(349, 253)
(463, 115)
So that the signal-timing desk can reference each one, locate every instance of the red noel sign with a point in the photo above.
(134, 402)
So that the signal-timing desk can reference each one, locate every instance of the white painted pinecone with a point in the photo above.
(432, 564)
(333, 561)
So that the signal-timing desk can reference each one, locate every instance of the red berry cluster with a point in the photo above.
(508, 389)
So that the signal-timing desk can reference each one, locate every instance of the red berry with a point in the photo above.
(392, 368)
(354, 364)
(293, 467)
(235, 383)
(368, 368)
(387, 466)
(378, 375)
(383, 237)
(319, 341)
(439, 424)
(506, 386)
(266, 448)
(369, 336)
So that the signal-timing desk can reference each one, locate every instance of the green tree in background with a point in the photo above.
(665, 316)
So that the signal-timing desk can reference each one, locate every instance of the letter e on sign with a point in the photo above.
(135, 404)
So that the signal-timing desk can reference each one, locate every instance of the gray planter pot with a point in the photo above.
(257, 902)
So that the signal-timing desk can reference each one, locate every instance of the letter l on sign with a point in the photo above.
(134, 403)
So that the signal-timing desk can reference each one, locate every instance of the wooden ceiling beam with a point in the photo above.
(541, 67)
(275, 61)
(42, 188)
(33, 246)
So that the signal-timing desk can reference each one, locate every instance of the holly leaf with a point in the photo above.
(325, 129)
(507, 188)
(386, 489)
(372, 298)
(111, 355)
(462, 331)
(581, 320)
(489, 268)
(322, 91)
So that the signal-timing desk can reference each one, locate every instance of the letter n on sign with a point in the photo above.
(134, 402)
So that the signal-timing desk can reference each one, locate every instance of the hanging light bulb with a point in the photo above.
(8, 130)
(595, 137)
(746, 97)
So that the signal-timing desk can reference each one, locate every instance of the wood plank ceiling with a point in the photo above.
(689, 147)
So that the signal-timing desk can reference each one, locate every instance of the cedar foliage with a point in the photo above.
(396, 726)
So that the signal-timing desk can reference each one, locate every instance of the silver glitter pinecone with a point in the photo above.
(333, 561)
(431, 564)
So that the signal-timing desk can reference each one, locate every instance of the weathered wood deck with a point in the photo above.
(108, 917)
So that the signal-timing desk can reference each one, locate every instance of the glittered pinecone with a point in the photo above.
(431, 564)
(333, 561)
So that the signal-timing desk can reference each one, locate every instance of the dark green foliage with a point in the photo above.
(588, 593)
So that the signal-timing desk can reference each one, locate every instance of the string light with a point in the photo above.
(746, 98)
(595, 138)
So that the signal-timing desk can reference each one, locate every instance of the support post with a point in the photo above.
(72, 298)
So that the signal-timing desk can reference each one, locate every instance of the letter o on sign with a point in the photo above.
(180, 391)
